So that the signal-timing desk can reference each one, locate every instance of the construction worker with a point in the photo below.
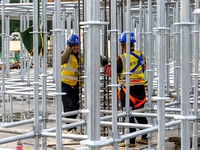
(137, 82)
(69, 76)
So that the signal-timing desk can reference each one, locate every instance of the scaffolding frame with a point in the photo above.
(155, 29)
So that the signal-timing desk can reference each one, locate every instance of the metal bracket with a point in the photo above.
(39, 132)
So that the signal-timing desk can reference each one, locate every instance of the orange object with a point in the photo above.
(137, 102)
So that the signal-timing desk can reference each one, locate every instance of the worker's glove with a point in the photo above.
(69, 41)
(103, 60)
(69, 44)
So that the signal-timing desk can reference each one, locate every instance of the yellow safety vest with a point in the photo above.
(69, 73)
(136, 77)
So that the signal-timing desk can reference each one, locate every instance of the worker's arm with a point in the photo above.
(145, 61)
(144, 58)
(65, 55)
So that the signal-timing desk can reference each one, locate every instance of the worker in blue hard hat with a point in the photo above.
(137, 82)
(69, 76)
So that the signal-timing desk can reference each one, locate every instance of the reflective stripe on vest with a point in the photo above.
(67, 68)
(70, 77)
(133, 82)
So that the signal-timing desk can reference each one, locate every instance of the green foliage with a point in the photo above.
(14, 26)
(18, 1)
(14, 1)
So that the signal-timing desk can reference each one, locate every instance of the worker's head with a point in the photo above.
(122, 40)
(73, 42)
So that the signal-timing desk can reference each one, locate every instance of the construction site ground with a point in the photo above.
(69, 144)
(20, 109)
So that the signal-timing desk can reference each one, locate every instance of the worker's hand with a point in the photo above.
(103, 60)
(65, 55)
(69, 41)
(69, 44)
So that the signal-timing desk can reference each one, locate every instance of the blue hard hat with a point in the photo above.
(123, 37)
(72, 39)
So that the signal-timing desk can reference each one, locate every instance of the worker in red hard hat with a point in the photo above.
(137, 82)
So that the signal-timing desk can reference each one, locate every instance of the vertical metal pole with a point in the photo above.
(149, 70)
(85, 48)
(68, 24)
(185, 75)
(44, 73)
(24, 52)
(63, 31)
(36, 73)
(139, 42)
(137, 34)
(122, 15)
(119, 27)
(28, 69)
(114, 71)
(28, 64)
(102, 34)
(127, 108)
(177, 52)
(58, 97)
(11, 107)
(174, 51)
(144, 20)
(153, 44)
(192, 49)
(167, 50)
(78, 20)
(156, 42)
(76, 30)
(133, 24)
(196, 71)
(8, 46)
(54, 45)
(93, 73)
(21, 49)
(105, 28)
(161, 73)
(3, 60)
(177, 58)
